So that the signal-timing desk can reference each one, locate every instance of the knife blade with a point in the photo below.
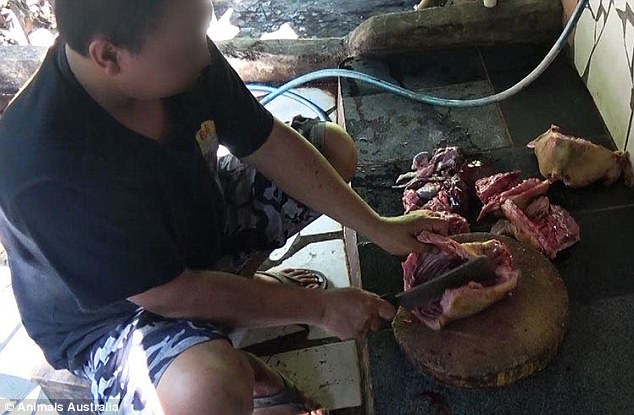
(479, 269)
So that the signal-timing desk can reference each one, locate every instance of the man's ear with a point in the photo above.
(105, 55)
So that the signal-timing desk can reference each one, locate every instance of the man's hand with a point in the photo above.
(397, 235)
(350, 313)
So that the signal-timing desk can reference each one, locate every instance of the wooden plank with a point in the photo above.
(62, 387)
(354, 267)
(279, 60)
(461, 25)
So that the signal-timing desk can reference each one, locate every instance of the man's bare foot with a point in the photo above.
(275, 394)
(300, 277)
(291, 400)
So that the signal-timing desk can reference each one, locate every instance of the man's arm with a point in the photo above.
(303, 173)
(241, 302)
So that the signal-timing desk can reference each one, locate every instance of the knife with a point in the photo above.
(479, 269)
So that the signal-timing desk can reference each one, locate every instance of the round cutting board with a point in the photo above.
(510, 340)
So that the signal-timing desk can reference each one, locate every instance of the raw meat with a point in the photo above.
(436, 186)
(578, 162)
(529, 215)
(445, 162)
(538, 208)
(456, 223)
(447, 194)
(488, 187)
(469, 299)
(522, 194)
(550, 230)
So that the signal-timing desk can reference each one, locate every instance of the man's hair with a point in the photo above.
(124, 23)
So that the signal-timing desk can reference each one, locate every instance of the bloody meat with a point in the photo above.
(458, 303)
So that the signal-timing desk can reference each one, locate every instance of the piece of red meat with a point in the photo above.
(411, 201)
(538, 208)
(490, 186)
(453, 196)
(469, 299)
(415, 198)
(443, 164)
(435, 208)
(549, 233)
(436, 186)
(422, 164)
(440, 203)
(447, 161)
(456, 223)
(522, 194)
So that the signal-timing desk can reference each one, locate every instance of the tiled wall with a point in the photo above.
(603, 48)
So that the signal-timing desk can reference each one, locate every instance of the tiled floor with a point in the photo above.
(593, 371)
(18, 353)
(324, 366)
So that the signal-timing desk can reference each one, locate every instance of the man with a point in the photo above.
(125, 236)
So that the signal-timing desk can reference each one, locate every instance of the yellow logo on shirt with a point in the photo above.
(207, 138)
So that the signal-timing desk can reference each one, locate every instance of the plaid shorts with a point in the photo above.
(126, 365)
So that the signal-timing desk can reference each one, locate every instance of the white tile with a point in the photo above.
(594, 5)
(279, 253)
(32, 404)
(14, 389)
(322, 224)
(5, 277)
(10, 317)
(328, 257)
(629, 41)
(242, 338)
(584, 41)
(286, 108)
(600, 23)
(21, 356)
(609, 80)
(328, 373)
(630, 145)
(317, 333)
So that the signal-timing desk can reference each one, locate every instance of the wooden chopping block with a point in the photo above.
(510, 340)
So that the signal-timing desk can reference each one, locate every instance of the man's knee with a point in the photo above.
(340, 150)
(210, 378)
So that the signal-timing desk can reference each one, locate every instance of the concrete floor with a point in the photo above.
(593, 373)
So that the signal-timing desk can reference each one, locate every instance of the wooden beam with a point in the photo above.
(464, 24)
(277, 61)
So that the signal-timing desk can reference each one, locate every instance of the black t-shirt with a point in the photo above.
(92, 213)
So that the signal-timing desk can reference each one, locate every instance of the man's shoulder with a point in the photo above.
(42, 127)
(46, 86)
(40, 109)
(35, 144)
